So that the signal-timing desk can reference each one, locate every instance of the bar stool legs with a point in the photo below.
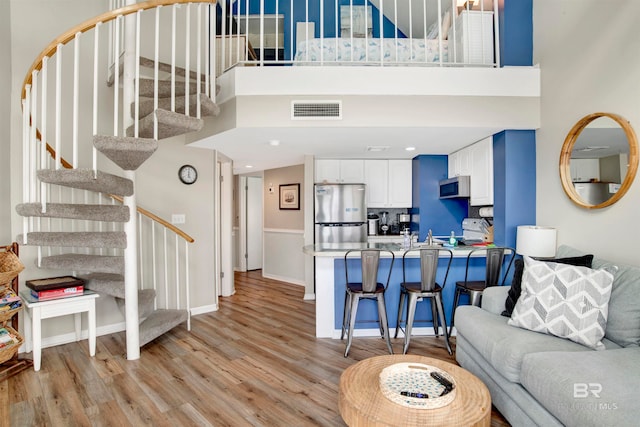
(352, 301)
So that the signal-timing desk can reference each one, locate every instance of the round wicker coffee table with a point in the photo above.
(363, 404)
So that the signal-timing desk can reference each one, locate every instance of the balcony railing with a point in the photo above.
(358, 32)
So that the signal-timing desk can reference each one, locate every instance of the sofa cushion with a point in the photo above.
(565, 301)
(591, 388)
(504, 346)
(516, 284)
(623, 323)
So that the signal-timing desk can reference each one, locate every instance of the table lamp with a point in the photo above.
(535, 241)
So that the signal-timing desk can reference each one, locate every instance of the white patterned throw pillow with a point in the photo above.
(564, 300)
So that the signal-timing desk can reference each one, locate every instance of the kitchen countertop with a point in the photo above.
(333, 250)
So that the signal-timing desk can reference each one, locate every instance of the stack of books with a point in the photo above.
(9, 300)
(56, 287)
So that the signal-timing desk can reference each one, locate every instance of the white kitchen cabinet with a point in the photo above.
(346, 171)
(476, 161)
(389, 183)
(481, 187)
(585, 170)
(460, 163)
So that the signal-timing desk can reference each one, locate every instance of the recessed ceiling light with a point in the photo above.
(410, 148)
(248, 166)
(274, 142)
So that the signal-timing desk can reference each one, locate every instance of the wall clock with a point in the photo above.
(187, 174)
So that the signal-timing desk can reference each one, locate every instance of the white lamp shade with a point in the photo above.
(535, 241)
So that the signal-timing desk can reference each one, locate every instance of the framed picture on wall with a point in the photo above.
(290, 196)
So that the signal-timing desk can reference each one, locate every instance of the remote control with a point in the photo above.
(411, 394)
(442, 380)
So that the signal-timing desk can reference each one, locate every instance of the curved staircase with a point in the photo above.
(164, 108)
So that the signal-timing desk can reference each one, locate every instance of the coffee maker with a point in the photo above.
(404, 222)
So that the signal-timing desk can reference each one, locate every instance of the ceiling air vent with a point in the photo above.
(314, 110)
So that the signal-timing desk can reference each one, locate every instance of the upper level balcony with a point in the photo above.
(330, 72)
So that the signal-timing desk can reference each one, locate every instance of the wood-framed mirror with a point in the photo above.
(599, 160)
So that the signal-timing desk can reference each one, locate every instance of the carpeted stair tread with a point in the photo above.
(169, 124)
(146, 300)
(127, 152)
(84, 239)
(111, 213)
(105, 283)
(150, 63)
(83, 262)
(164, 88)
(83, 179)
(207, 106)
(159, 322)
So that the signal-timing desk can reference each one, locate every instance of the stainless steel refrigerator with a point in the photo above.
(595, 193)
(340, 213)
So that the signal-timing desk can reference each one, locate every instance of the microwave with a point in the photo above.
(456, 187)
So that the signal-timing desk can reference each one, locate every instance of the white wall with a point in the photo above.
(588, 54)
(6, 101)
(34, 24)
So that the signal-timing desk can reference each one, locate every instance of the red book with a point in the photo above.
(48, 294)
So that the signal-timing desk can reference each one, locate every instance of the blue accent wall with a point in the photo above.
(514, 164)
(516, 33)
(441, 216)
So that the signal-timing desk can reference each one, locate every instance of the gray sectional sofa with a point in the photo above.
(543, 380)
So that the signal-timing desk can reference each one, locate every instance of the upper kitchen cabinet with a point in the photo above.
(388, 183)
(340, 171)
(482, 173)
(585, 170)
(460, 163)
(475, 161)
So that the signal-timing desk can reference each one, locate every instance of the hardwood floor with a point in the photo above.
(255, 362)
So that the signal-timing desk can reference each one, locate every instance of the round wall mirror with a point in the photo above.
(599, 160)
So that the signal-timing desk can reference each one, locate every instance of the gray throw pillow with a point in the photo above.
(516, 283)
(565, 301)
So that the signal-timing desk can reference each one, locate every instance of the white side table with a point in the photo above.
(38, 310)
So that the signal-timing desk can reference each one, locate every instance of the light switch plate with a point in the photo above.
(178, 218)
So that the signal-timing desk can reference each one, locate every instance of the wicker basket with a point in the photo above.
(415, 378)
(10, 267)
(6, 353)
(7, 315)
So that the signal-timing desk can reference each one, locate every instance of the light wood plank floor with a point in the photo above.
(255, 362)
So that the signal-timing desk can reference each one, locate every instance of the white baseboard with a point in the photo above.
(84, 335)
(283, 279)
(309, 297)
(204, 309)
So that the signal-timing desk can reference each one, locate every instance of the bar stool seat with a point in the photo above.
(426, 288)
(368, 288)
(495, 257)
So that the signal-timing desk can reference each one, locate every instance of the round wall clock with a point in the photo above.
(188, 174)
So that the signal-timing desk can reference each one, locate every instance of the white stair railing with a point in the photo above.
(67, 100)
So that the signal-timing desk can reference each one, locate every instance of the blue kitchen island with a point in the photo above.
(330, 284)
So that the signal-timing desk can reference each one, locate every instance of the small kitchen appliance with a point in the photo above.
(404, 222)
(373, 224)
(384, 222)
(476, 230)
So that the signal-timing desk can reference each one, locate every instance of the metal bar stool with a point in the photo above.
(427, 287)
(368, 288)
(495, 261)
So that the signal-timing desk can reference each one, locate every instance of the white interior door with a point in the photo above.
(254, 223)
